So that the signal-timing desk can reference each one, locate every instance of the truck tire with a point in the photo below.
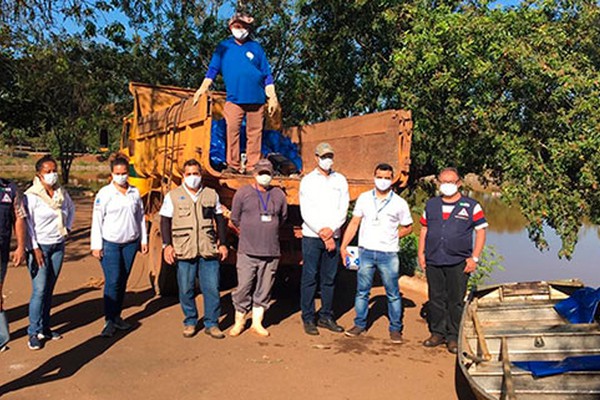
(162, 275)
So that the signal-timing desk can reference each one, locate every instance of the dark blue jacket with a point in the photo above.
(449, 242)
(8, 194)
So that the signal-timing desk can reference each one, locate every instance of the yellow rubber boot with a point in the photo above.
(238, 326)
(258, 314)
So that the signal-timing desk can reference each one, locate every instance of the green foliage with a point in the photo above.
(508, 93)
(408, 255)
(489, 262)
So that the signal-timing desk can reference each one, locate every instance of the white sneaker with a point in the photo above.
(4, 348)
(109, 329)
(49, 336)
(121, 325)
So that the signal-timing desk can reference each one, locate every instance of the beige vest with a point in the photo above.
(193, 228)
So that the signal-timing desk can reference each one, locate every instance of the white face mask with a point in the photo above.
(326, 163)
(263, 180)
(119, 179)
(448, 189)
(193, 181)
(383, 184)
(239, 34)
(50, 178)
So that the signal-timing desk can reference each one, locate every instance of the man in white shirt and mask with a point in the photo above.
(324, 202)
(384, 218)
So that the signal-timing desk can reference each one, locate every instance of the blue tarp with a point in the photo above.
(581, 307)
(547, 368)
(272, 142)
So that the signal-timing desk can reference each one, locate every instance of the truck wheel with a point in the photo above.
(162, 275)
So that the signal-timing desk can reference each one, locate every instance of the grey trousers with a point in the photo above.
(249, 269)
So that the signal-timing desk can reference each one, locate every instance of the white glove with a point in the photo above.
(272, 102)
(203, 88)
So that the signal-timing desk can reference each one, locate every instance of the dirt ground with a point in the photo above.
(154, 361)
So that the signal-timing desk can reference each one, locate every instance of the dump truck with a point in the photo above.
(165, 129)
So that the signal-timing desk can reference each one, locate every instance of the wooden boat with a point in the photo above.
(517, 322)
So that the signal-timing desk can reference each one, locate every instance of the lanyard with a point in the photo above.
(265, 204)
(385, 203)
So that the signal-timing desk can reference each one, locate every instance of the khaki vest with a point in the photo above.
(193, 228)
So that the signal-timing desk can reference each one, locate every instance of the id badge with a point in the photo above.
(265, 218)
(375, 222)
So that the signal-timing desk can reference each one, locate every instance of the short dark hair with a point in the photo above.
(383, 167)
(192, 162)
(449, 169)
(119, 160)
(40, 163)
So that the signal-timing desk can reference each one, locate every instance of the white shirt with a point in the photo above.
(380, 220)
(42, 220)
(324, 202)
(166, 210)
(117, 217)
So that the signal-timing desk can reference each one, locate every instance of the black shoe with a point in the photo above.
(311, 329)
(330, 324)
(230, 170)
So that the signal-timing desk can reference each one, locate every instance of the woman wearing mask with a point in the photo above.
(258, 210)
(118, 232)
(50, 217)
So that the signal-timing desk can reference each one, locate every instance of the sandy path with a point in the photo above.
(154, 361)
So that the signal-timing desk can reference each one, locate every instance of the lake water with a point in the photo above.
(524, 262)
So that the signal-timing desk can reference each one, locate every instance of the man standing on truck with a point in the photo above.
(384, 218)
(12, 214)
(248, 83)
(447, 255)
(258, 210)
(187, 221)
(324, 202)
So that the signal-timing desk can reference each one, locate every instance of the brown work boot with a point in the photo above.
(434, 340)
(214, 332)
(396, 337)
(452, 346)
(354, 331)
(189, 331)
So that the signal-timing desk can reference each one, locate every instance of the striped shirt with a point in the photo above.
(447, 208)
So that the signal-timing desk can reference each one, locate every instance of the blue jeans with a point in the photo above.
(208, 273)
(316, 257)
(117, 261)
(43, 281)
(389, 267)
(4, 332)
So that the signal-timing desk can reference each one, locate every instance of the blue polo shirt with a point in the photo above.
(245, 70)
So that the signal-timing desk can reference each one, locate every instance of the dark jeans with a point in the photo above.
(447, 288)
(116, 264)
(318, 259)
(43, 281)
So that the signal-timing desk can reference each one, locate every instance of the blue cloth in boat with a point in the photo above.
(581, 307)
(540, 369)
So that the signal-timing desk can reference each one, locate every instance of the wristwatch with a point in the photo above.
(476, 259)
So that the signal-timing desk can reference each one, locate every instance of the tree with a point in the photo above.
(509, 94)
